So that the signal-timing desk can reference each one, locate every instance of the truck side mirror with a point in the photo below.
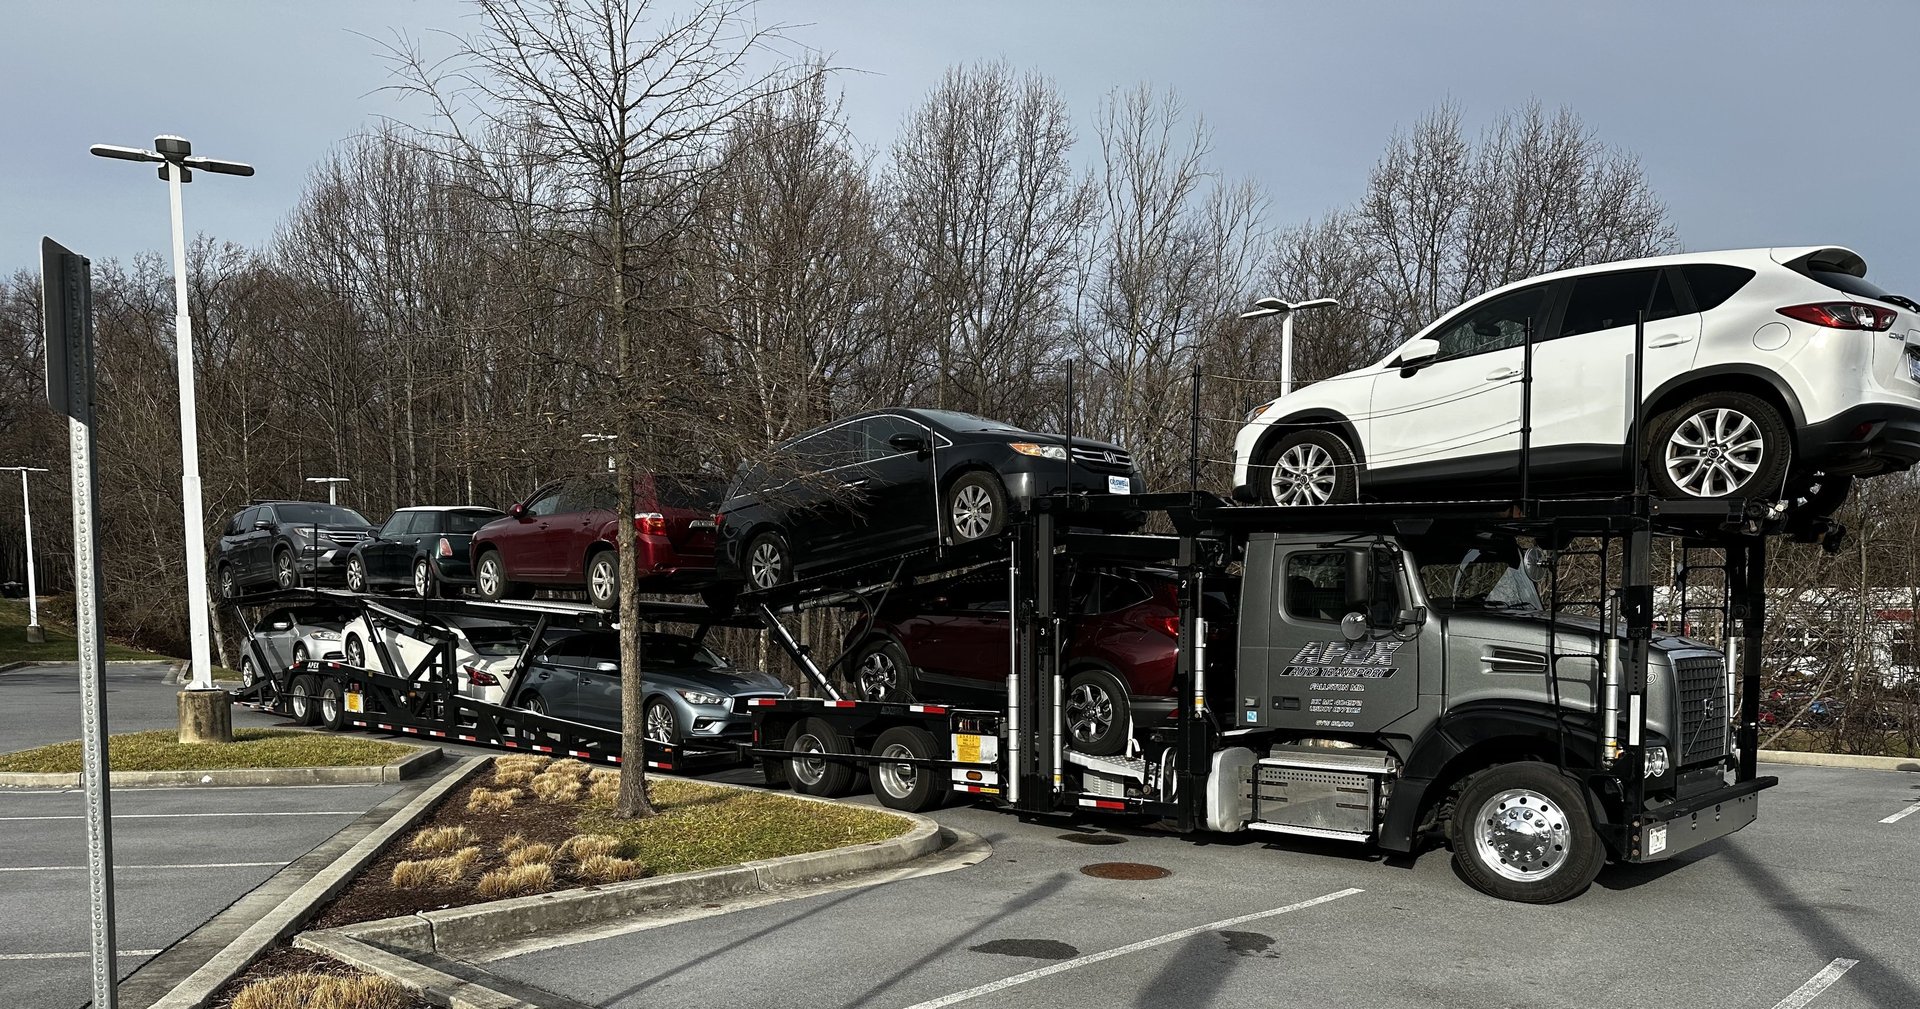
(1359, 578)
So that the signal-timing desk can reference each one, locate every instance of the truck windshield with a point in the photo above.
(1478, 579)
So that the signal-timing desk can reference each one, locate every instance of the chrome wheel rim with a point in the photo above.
(297, 702)
(1715, 452)
(763, 566)
(1305, 474)
(1521, 835)
(897, 779)
(600, 580)
(329, 703)
(972, 512)
(659, 723)
(356, 655)
(490, 576)
(246, 672)
(422, 583)
(356, 575)
(1089, 712)
(283, 570)
(808, 769)
(879, 676)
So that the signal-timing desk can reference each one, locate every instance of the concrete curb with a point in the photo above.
(409, 766)
(1853, 760)
(299, 906)
(448, 990)
(477, 927)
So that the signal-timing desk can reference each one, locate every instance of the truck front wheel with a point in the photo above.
(1522, 832)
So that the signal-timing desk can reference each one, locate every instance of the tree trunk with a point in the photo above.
(633, 803)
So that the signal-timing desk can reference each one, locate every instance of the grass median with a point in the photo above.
(251, 748)
(60, 645)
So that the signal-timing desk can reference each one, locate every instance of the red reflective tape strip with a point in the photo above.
(655, 763)
(385, 726)
(614, 759)
(542, 749)
(578, 753)
(840, 704)
(927, 709)
(762, 702)
(436, 732)
(409, 728)
(1103, 804)
(508, 743)
(361, 724)
(470, 739)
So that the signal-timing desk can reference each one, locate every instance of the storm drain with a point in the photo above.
(1125, 870)
(1078, 838)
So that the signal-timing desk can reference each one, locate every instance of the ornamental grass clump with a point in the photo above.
(517, 880)
(441, 840)
(485, 800)
(311, 990)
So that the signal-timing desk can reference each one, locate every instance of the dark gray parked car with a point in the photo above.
(691, 693)
(283, 544)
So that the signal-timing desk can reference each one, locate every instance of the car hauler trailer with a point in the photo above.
(1395, 678)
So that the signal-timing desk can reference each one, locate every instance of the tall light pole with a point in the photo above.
(603, 439)
(1286, 311)
(333, 483)
(177, 163)
(35, 633)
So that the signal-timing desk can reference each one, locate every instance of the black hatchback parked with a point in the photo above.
(423, 549)
(885, 483)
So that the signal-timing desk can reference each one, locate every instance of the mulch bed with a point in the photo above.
(292, 960)
(373, 896)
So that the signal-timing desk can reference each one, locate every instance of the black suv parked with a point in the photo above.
(285, 544)
(883, 483)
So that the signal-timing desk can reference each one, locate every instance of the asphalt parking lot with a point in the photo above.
(181, 855)
(1746, 922)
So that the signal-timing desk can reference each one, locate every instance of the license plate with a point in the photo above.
(700, 524)
(1119, 485)
(966, 748)
(356, 703)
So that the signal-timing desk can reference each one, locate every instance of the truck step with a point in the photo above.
(1317, 758)
(1122, 767)
(1324, 832)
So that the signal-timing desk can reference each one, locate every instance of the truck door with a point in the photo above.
(1315, 676)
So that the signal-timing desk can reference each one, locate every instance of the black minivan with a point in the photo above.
(889, 482)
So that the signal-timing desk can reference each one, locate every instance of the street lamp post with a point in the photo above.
(603, 439)
(35, 633)
(1286, 311)
(177, 163)
(333, 483)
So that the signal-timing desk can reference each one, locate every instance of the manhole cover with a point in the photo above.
(1125, 870)
(1078, 838)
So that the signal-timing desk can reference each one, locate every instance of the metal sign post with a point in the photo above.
(68, 305)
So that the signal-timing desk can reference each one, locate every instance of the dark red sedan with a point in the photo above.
(950, 643)
(562, 537)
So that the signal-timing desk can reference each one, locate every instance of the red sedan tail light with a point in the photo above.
(650, 523)
(1843, 315)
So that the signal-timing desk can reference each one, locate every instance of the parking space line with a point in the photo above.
(75, 956)
(1817, 984)
(181, 816)
(1903, 814)
(1081, 961)
(184, 865)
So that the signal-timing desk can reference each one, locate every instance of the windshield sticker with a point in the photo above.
(1365, 660)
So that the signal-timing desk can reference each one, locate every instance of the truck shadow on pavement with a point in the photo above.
(1884, 985)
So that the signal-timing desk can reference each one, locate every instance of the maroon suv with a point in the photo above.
(949, 642)
(562, 537)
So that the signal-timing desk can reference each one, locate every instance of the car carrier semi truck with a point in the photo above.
(1397, 678)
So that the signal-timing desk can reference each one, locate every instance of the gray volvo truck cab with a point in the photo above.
(1391, 687)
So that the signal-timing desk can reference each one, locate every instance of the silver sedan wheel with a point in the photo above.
(972, 512)
(1089, 712)
(897, 779)
(660, 727)
(1305, 474)
(1715, 452)
(1522, 835)
(879, 676)
(765, 564)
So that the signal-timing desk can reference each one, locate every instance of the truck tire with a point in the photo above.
(300, 695)
(826, 778)
(1097, 714)
(1522, 832)
(330, 709)
(907, 786)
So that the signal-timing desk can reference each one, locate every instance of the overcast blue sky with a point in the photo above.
(1758, 123)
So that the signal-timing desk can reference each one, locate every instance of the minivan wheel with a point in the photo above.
(603, 580)
(768, 562)
(490, 577)
(1097, 714)
(1522, 832)
(884, 673)
(976, 507)
(1309, 467)
(1719, 445)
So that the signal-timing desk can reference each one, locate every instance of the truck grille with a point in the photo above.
(1702, 684)
(1102, 460)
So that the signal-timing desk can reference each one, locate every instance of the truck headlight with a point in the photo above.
(1039, 451)
(1657, 765)
(701, 697)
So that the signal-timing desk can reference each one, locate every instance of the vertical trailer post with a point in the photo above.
(1753, 592)
(1015, 730)
(1192, 740)
(1637, 604)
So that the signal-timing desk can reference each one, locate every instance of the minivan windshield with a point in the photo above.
(958, 421)
(305, 514)
(1476, 578)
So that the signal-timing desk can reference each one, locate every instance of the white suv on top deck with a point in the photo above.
(1763, 368)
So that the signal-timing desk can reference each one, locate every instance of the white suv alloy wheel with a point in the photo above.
(1304, 475)
(1715, 452)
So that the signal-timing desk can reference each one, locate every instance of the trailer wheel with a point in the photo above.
(300, 699)
(908, 786)
(332, 712)
(1522, 832)
(818, 775)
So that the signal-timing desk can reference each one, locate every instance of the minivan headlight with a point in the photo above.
(1039, 451)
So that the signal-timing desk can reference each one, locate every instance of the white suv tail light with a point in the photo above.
(1843, 315)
